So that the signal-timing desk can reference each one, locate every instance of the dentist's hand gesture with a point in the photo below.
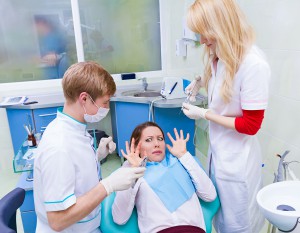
(179, 143)
(122, 179)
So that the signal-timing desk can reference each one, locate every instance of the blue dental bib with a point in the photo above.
(170, 181)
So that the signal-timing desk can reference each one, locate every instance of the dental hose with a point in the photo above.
(151, 109)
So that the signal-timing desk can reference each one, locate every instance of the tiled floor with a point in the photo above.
(112, 162)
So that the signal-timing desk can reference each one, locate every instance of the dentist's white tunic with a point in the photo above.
(65, 169)
(235, 158)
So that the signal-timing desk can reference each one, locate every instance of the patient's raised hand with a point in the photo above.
(133, 153)
(179, 143)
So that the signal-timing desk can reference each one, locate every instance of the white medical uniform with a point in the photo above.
(153, 216)
(66, 168)
(234, 158)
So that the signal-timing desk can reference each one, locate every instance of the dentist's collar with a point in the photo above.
(71, 120)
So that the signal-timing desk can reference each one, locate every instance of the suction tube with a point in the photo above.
(280, 166)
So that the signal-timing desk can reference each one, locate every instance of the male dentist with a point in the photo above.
(67, 191)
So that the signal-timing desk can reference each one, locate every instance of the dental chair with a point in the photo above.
(8, 208)
(107, 225)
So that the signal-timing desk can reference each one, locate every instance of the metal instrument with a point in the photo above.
(144, 162)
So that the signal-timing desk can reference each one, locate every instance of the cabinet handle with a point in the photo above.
(49, 114)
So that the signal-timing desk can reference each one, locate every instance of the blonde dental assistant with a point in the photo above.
(67, 191)
(236, 77)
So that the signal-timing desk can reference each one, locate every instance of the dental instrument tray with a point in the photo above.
(23, 160)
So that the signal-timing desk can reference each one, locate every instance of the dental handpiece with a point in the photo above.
(144, 162)
(187, 99)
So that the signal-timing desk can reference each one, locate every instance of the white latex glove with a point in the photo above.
(106, 146)
(194, 112)
(121, 179)
(193, 88)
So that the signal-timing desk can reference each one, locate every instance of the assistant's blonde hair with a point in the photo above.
(87, 77)
(224, 22)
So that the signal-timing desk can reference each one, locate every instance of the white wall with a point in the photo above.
(276, 23)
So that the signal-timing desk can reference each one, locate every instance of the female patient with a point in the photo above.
(166, 197)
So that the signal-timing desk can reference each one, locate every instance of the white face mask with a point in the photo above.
(101, 113)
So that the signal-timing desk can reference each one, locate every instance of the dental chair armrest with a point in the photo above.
(107, 223)
(209, 210)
